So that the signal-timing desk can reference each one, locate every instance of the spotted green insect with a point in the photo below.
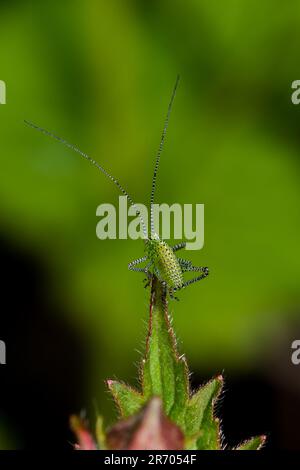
(160, 258)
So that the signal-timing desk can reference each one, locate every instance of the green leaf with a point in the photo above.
(128, 400)
(177, 412)
(202, 429)
(164, 373)
(255, 443)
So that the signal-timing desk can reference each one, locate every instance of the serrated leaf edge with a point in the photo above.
(116, 399)
(262, 438)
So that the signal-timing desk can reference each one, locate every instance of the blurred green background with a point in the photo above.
(100, 74)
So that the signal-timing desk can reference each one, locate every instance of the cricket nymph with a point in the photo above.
(160, 258)
(162, 262)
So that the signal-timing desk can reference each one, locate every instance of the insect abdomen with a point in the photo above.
(169, 266)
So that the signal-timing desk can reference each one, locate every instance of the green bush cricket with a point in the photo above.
(160, 258)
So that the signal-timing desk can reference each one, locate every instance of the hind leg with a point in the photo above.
(169, 290)
(179, 246)
(187, 266)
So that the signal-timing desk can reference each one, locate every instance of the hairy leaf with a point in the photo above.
(128, 400)
(164, 373)
(200, 421)
(164, 376)
(255, 443)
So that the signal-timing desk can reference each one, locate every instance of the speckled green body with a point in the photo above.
(164, 263)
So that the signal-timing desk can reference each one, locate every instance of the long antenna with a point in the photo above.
(96, 164)
(159, 154)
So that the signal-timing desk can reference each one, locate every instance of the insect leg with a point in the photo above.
(179, 246)
(135, 262)
(185, 264)
(188, 266)
(145, 270)
(139, 270)
(148, 274)
(164, 284)
(171, 294)
(202, 269)
(204, 274)
(158, 275)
